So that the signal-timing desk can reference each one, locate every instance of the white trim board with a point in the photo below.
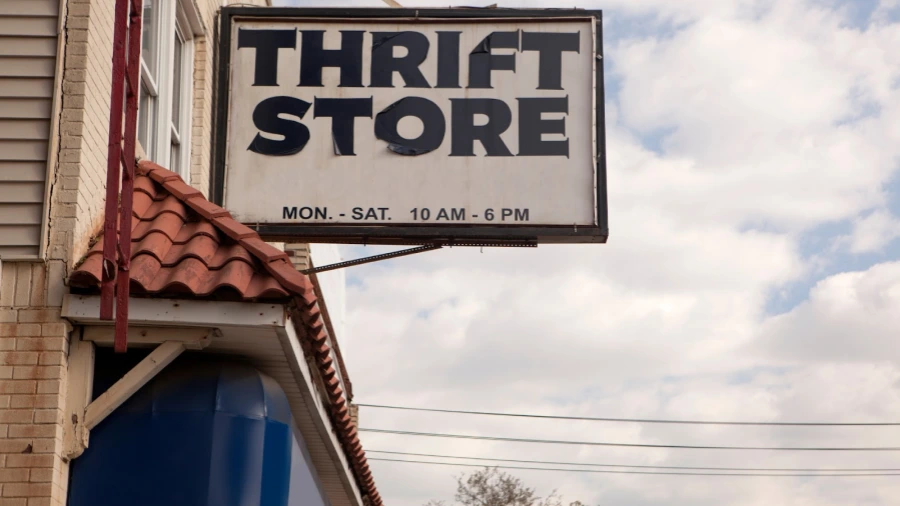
(85, 309)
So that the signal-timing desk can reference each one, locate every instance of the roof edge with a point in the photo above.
(316, 332)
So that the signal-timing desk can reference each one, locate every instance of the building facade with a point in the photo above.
(55, 80)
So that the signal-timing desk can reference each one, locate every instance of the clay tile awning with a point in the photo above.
(185, 246)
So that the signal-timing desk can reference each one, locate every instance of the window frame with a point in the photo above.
(173, 20)
(186, 88)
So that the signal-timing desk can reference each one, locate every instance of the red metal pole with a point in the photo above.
(107, 287)
(131, 111)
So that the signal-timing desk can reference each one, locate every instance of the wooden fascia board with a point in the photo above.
(193, 338)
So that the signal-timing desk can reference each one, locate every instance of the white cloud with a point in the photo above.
(848, 317)
(775, 117)
(873, 232)
(759, 105)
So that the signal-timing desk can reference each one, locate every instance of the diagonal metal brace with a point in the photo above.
(376, 258)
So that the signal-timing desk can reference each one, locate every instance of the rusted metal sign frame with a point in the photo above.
(455, 235)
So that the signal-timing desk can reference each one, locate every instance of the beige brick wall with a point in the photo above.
(78, 190)
(298, 253)
(33, 359)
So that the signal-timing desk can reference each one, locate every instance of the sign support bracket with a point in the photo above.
(375, 258)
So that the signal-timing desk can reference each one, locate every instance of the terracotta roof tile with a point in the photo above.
(141, 203)
(323, 308)
(191, 230)
(170, 204)
(184, 245)
(207, 209)
(167, 223)
(201, 247)
(159, 174)
(262, 250)
(313, 314)
(156, 244)
(181, 190)
(178, 251)
(233, 229)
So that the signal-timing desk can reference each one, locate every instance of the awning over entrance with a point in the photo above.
(185, 247)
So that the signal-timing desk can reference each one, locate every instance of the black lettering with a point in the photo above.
(384, 211)
(343, 113)
(459, 214)
(306, 213)
(314, 57)
(321, 213)
(267, 43)
(522, 215)
(434, 126)
(482, 62)
(465, 133)
(442, 215)
(357, 213)
(551, 47)
(289, 213)
(384, 63)
(448, 60)
(532, 127)
(266, 117)
(506, 213)
(371, 214)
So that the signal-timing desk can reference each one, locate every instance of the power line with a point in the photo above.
(636, 420)
(633, 445)
(684, 468)
(665, 473)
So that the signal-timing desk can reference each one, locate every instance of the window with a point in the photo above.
(165, 97)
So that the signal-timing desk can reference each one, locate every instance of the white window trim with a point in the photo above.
(187, 99)
(173, 15)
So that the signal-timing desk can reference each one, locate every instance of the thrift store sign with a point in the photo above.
(397, 130)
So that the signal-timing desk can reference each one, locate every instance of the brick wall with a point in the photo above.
(298, 253)
(33, 360)
(78, 190)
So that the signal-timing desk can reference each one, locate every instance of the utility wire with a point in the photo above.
(683, 468)
(606, 471)
(637, 420)
(635, 445)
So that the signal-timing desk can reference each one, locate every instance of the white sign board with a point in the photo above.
(344, 124)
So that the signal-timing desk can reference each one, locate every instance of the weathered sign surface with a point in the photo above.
(428, 126)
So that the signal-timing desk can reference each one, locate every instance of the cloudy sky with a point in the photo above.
(752, 273)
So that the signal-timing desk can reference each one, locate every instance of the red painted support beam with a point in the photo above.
(110, 237)
(131, 111)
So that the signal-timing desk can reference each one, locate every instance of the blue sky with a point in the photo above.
(752, 270)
